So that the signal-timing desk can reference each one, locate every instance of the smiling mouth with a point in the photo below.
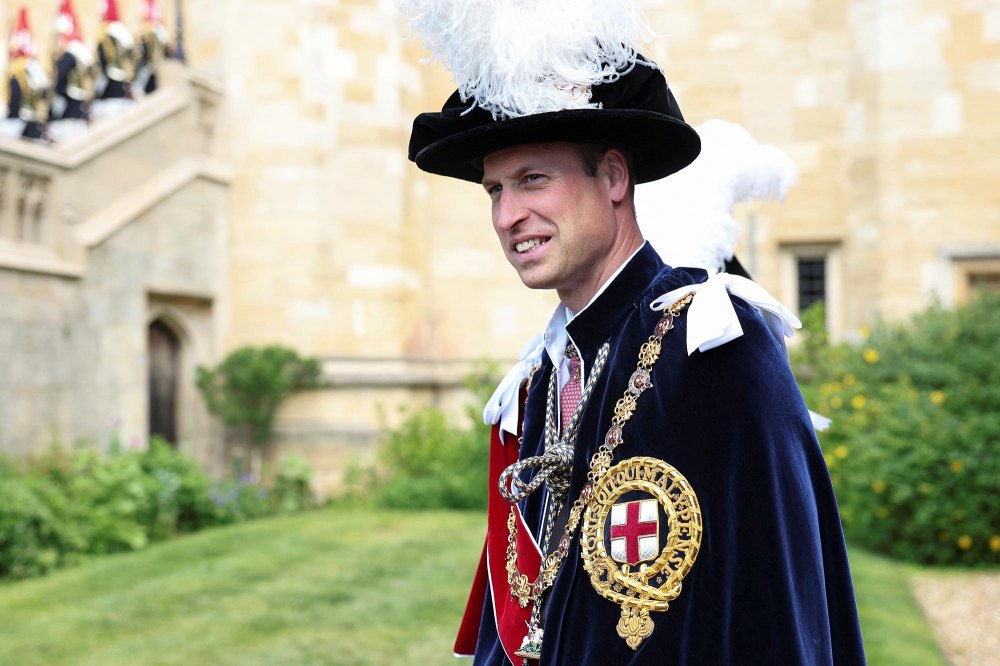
(525, 246)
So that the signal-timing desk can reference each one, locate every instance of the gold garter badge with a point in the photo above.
(641, 534)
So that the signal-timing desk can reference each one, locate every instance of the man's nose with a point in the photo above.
(508, 210)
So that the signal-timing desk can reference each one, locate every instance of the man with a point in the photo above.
(27, 86)
(73, 61)
(657, 492)
(113, 85)
(152, 49)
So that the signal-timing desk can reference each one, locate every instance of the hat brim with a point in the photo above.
(660, 144)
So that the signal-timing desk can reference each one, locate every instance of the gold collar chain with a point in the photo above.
(525, 592)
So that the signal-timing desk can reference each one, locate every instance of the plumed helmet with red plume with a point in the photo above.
(153, 12)
(21, 44)
(109, 8)
(67, 25)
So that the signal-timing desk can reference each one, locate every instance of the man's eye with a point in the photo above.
(533, 177)
(494, 190)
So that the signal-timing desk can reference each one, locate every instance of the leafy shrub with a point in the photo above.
(181, 492)
(110, 496)
(811, 354)
(239, 500)
(292, 488)
(429, 461)
(33, 536)
(62, 506)
(248, 386)
(914, 449)
(432, 464)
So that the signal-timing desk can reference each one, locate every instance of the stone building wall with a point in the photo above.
(886, 109)
(99, 238)
(781, 70)
(35, 331)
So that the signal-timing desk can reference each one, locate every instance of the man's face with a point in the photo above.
(556, 224)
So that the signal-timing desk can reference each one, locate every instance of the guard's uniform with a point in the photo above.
(113, 82)
(26, 86)
(26, 90)
(152, 47)
(771, 583)
(114, 58)
(69, 114)
(70, 102)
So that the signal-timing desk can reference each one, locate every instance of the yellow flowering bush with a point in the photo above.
(914, 448)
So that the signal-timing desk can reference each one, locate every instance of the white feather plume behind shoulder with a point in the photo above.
(688, 216)
(522, 57)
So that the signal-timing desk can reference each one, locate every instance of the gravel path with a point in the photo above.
(964, 611)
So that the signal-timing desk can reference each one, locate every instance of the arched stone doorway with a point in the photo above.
(164, 351)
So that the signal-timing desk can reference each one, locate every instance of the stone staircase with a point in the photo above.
(100, 236)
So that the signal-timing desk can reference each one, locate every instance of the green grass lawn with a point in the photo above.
(325, 587)
(892, 624)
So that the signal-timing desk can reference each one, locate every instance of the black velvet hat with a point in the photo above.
(636, 112)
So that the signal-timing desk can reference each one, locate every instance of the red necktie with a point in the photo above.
(570, 395)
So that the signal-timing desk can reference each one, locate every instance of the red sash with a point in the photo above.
(511, 619)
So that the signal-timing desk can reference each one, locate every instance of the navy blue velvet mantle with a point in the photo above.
(771, 584)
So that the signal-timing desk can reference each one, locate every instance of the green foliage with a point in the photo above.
(431, 464)
(62, 506)
(292, 490)
(913, 449)
(429, 461)
(239, 500)
(248, 386)
(110, 496)
(811, 354)
(35, 536)
(181, 492)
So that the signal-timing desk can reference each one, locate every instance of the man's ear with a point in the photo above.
(616, 171)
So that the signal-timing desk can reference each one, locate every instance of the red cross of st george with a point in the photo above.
(632, 530)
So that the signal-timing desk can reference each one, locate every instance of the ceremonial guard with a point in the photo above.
(73, 65)
(27, 86)
(657, 494)
(152, 49)
(113, 89)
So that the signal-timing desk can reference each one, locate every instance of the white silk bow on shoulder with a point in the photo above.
(711, 318)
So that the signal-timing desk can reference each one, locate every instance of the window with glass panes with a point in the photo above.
(811, 279)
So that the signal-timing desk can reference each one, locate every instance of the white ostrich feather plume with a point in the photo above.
(38, 78)
(121, 34)
(688, 217)
(64, 24)
(81, 52)
(522, 57)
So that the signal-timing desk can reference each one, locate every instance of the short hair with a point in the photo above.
(591, 155)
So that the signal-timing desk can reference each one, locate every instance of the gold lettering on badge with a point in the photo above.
(636, 578)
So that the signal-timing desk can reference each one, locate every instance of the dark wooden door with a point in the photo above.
(164, 368)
